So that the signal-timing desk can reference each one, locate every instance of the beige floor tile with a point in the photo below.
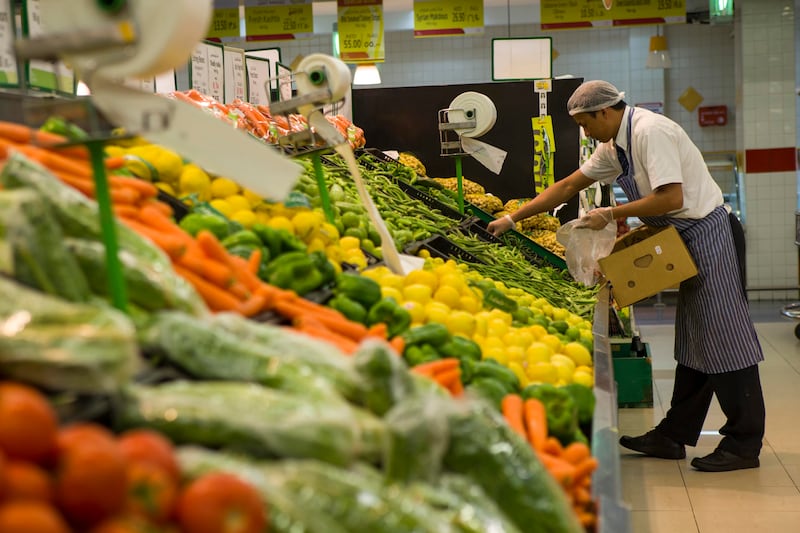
(746, 522)
(794, 473)
(655, 492)
(755, 498)
(663, 522)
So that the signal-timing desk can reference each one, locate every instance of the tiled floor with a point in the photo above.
(668, 496)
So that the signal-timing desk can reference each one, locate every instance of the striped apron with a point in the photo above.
(713, 329)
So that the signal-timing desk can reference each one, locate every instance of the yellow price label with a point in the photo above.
(225, 23)
(437, 18)
(276, 22)
(567, 14)
(360, 24)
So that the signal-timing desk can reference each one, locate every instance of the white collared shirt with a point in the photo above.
(662, 153)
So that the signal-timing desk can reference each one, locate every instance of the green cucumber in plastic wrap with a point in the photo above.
(150, 287)
(313, 497)
(64, 346)
(33, 250)
(224, 347)
(77, 215)
(385, 378)
(487, 451)
(254, 419)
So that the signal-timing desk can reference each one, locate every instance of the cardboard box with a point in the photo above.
(646, 261)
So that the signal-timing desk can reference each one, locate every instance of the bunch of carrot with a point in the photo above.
(257, 119)
(446, 372)
(226, 282)
(572, 465)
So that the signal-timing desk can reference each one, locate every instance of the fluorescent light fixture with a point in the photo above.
(367, 74)
(659, 55)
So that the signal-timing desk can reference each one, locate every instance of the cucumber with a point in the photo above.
(149, 288)
(63, 346)
(486, 450)
(254, 419)
(229, 346)
(77, 215)
(36, 249)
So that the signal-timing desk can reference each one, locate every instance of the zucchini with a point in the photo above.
(63, 346)
(149, 288)
(38, 256)
(229, 346)
(254, 419)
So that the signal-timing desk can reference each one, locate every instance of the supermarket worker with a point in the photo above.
(667, 182)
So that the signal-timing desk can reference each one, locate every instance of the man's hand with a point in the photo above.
(500, 226)
(596, 219)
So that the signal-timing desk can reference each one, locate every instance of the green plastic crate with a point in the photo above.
(633, 374)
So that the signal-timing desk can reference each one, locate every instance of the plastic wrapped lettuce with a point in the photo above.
(77, 215)
(385, 379)
(33, 251)
(225, 347)
(484, 449)
(314, 497)
(254, 419)
(64, 346)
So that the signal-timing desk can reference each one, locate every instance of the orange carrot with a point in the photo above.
(398, 343)
(457, 389)
(535, 417)
(144, 188)
(254, 261)
(241, 269)
(216, 298)
(560, 469)
(511, 407)
(212, 247)
(173, 246)
(587, 519)
(449, 378)
(582, 495)
(126, 211)
(115, 163)
(212, 270)
(585, 467)
(243, 293)
(253, 305)
(575, 452)
(553, 446)
(344, 344)
(156, 219)
(435, 367)
(22, 134)
(343, 326)
(379, 330)
(165, 208)
(55, 161)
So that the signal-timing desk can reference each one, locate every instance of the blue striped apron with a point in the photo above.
(713, 329)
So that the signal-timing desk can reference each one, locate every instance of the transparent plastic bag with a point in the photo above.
(584, 247)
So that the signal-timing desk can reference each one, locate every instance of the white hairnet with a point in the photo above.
(593, 96)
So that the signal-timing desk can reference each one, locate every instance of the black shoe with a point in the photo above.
(723, 461)
(654, 444)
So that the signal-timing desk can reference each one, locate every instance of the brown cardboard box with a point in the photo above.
(646, 261)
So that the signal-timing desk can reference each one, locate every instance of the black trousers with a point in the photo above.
(740, 397)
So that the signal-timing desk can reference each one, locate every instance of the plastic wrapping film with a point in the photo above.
(63, 346)
(229, 347)
(482, 105)
(254, 419)
(583, 247)
(322, 72)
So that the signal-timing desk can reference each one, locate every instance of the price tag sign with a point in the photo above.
(440, 18)
(8, 61)
(44, 74)
(207, 73)
(165, 83)
(235, 77)
(360, 24)
(569, 14)
(278, 20)
(225, 22)
(258, 74)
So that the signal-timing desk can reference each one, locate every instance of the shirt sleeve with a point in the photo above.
(602, 166)
(661, 152)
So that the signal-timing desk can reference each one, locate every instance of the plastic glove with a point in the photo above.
(596, 219)
(500, 226)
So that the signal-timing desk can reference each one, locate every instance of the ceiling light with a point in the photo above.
(367, 74)
(659, 55)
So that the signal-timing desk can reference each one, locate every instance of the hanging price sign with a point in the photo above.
(278, 20)
(360, 24)
(8, 61)
(44, 74)
(441, 18)
(567, 14)
(225, 22)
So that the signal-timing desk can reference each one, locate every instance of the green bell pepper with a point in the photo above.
(64, 128)
(461, 348)
(489, 389)
(585, 400)
(324, 266)
(244, 236)
(419, 354)
(562, 411)
(294, 271)
(432, 333)
(193, 223)
(490, 369)
(362, 289)
(389, 312)
(349, 308)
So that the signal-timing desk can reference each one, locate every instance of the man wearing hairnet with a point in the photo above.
(667, 182)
